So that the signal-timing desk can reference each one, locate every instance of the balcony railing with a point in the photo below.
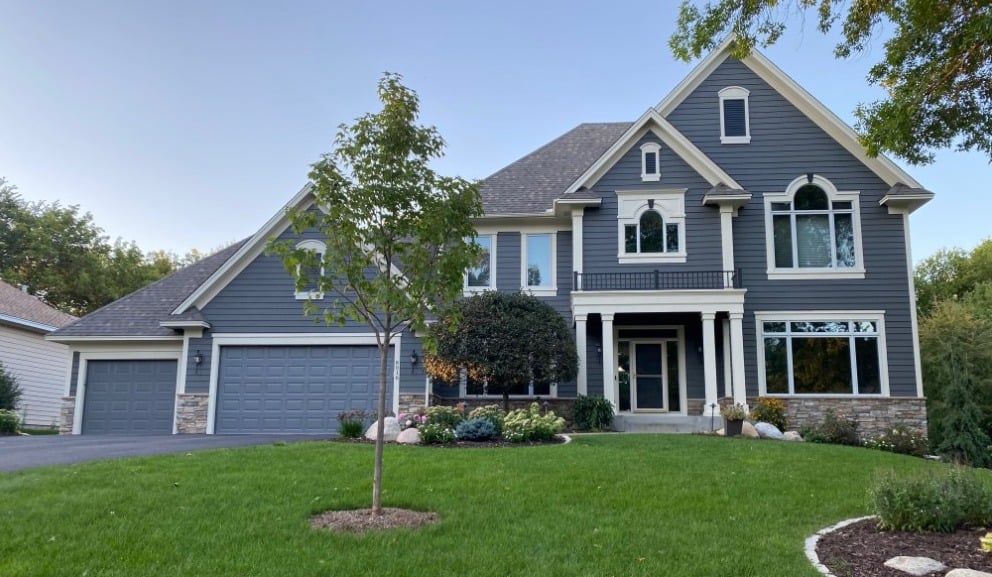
(657, 280)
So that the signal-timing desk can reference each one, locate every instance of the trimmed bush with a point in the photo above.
(10, 422)
(526, 425)
(592, 413)
(941, 500)
(352, 424)
(447, 416)
(10, 391)
(476, 430)
(492, 413)
(902, 439)
(834, 430)
(436, 434)
(770, 410)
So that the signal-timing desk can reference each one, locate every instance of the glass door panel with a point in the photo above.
(649, 382)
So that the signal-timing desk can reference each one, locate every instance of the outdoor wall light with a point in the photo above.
(197, 358)
(599, 349)
(414, 359)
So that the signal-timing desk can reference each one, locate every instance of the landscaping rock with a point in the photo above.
(721, 432)
(391, 430)
(768, 431)
(967, 573)
(749, 431)
(410, 436)
(915, 565)
(792, 436)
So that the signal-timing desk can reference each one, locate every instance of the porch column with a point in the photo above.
(728, 377)
(727, 242)
(737, 356)
(581, 381)
(609, 358)
(709, 364)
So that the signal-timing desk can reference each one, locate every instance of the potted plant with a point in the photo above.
(733, 418)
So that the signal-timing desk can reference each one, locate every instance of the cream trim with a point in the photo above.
(664, 301)
(914, 321)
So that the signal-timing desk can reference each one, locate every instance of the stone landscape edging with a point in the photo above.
(812, 540)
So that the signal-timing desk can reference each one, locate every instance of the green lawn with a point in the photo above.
(603, 505)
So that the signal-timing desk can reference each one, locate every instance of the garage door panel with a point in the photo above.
(129, 397)
(294, 389)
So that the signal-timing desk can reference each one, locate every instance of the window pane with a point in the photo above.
(813, 240)
(542, 390)
(821, 365)
(312, 274)
(518, 389)
(865, 326)
(672, 353)
(671, 238)
(651, 224)
(783, 241)
(811, 197)
(820, 327)
(623, 376)
(478, 276)
(630, 238)
(776, 366)
(651, 163)
(842, 205)
(844, 233)
(774, 327)
(539, 260)
(780, 206)
(734, 121)
(474, 387)
(869, 377)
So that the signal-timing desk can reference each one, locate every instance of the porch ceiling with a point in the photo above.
(663, 301)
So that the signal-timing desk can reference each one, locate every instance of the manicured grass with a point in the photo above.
(602, 505)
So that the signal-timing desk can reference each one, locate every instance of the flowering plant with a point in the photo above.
(408, 420)
(735, 412)
(986, 542)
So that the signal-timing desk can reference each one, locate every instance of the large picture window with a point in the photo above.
(842, 356)
(481, 276)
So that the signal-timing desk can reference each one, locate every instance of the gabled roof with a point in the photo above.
(27, 311)
(819, 114)
(139, 313)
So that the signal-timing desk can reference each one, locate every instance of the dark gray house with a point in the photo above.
(734, 241)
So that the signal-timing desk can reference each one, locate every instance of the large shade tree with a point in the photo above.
(936, 69)
(395, 231)
(506, 340)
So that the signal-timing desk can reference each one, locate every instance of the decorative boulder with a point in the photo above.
(391, 430)
(915, 565)
(749, 431)
(768, 431)
(792, 436)
(409, 436)
(967, 573)
(720, 432)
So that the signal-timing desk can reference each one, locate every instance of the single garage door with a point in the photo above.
(129, 397)
(295, 389)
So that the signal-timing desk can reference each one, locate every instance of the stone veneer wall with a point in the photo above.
(409, 402)
(873, 414)
(564, 408)
(191, 413)
(66, 415)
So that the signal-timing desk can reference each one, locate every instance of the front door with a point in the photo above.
(650, 375)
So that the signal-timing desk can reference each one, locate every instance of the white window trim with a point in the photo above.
(735, 93)
(548, 290)
(812, 316)
(469, 291)
(464, 394)
(647, 148)
(852, 196)
(321, 249)
(631, 204)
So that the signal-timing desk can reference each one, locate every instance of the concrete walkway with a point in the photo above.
(23, 452)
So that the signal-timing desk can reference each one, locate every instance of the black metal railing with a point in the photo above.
(657, 280)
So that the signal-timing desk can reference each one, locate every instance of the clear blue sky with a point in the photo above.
(183, 124)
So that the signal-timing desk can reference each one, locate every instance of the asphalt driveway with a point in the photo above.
(23, 452)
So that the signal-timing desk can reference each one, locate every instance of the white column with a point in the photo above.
(709, 364)
(609, 358)
(582, 381)
(728, 382)
(727, 241)
(737, 357)
(577, 212)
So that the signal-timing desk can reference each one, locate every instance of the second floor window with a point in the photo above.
(651, 235)
(480, 276)
(651, 226)
(538, 259)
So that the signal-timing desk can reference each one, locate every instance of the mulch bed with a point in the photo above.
(363, 521)
(463, 444)
(861, 550)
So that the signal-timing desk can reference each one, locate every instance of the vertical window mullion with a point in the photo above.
(833, 239)
(795, 238)
(855, 389)
(788, 357)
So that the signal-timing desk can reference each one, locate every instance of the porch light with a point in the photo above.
(414, 359)
(197, 358)
(650, 203)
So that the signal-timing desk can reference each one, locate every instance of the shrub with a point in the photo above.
(770, 410)
(492, 413)
(902, 439)
(937, 500)
(10, 422)
(476, 430)
(524, 425)
(436, 434)
(352, 424)
(10, 391)
(447, 416)
(834, 430)
(592, 413)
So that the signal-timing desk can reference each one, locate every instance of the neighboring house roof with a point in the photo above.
(20, 308)
(140, 313)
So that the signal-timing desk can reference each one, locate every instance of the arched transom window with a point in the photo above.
(651, 225)
(651, 234)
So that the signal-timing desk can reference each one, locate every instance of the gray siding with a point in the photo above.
(785, 145)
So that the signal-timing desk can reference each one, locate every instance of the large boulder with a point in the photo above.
(409, 436)
(391, 430)
(749, 431)
(967, 573)
(792, 436)
(768, 431)
(915, 565)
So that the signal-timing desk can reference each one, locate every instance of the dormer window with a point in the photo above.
(311, 271)
(651, 162)
(735, 124)
(651, 226)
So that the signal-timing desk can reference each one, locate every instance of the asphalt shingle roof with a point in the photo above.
(21, 305)
(139, 313)
(531, 184)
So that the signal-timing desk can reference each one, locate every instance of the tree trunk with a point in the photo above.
(506, 402)
(380, 424)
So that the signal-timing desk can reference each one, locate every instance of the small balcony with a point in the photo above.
(657, 280)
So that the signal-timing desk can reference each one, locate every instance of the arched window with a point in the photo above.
(651, 235)
(312, 271)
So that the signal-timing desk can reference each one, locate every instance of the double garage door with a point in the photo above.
(260, 389)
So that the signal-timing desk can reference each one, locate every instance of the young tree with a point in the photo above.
(394, 229)
(507, 340)
(937, 69)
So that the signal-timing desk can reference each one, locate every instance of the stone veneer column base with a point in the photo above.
(409, 402)
(191, 413)
(873, 414)
(66, 415)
